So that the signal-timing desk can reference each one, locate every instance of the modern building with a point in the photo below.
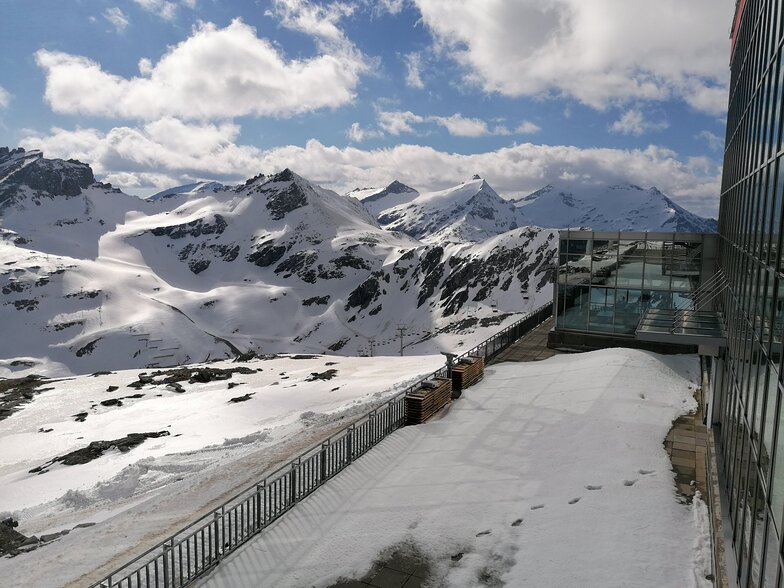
(615, 289)
(722, 295)
(749, 424)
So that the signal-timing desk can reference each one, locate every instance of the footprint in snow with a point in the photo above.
(537, 506)
(517, 523)
(629, 482)
(646, 472)
(590, 487)
(575, 500)
(482, 533)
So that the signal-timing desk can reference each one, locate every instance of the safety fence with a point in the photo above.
(194, 550)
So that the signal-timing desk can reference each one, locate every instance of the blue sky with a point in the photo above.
(153, 93)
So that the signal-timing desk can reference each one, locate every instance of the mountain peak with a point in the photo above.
(285, 176)
(396, 187)
(52, 177)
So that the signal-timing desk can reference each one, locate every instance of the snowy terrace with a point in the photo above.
(550, 473)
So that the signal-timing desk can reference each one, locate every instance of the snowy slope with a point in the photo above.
(609, 208)
(469, 212)
(189, 189)
(99, 279)
(216, 436)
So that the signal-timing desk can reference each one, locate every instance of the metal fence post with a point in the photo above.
(324, 448)
(259, 491)
(372, 425)
(293, 481)
(217, 516)
(166, 578)
(349, 444)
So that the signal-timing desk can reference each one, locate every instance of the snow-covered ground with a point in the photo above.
(214, 447)
(571, 447)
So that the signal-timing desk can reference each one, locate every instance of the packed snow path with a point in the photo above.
(545, 474)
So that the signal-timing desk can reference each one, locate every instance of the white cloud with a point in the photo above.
(117, 17)
(215, 73)
(461, 126)
(5, 98)
(396, 122)
(166, 9)
(160, 153)
(600, 52)
(633, 122)
(413, 70)
(320, 21)
(357, 134)
(390, 6)
(168, 152)
(527, 128)
(715, 143)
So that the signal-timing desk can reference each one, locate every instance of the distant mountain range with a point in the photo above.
(473, 211)
(93, 278)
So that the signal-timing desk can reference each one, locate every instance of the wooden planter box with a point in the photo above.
(423, 403)
(467, 372)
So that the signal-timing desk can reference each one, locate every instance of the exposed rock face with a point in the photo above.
(194, 228)
(287, 199)
(267, 253)
(45, 177)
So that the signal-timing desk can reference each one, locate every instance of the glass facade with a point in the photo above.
(751, 432)
(606, 281)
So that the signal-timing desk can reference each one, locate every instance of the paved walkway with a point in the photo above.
(686, 444)
(532, 347)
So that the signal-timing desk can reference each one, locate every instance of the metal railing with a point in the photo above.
(194, 550)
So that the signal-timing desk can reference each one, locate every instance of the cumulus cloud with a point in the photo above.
(461, 126)
(396, 122)
(5, 98)
(633, 122)
(168, 152)
(527, 128)
(117, 18)
(215, 73)
(600, 52)
(357, 134)
(160, 153)
(413, 70)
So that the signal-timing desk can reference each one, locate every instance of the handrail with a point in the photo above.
(209, 538)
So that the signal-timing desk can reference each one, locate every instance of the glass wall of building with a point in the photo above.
(606, 281)
(751, 440)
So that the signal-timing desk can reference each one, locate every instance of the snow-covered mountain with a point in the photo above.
(469, 212)
(623, 207)
(188, 189)
(378, 199)
(97, 279)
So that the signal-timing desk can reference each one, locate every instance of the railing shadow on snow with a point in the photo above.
(197, 548)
